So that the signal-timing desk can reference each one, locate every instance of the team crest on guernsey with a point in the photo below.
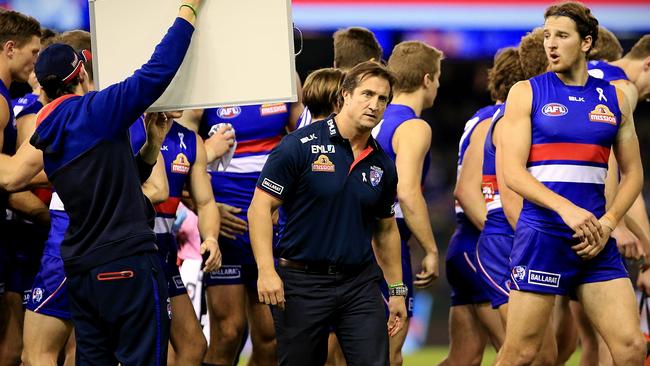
(271, 109)
(322, 164)
(518, 273)
(602, 114)
(228, 112)
(554, 110)
(488, 191)
(181, 165)
(375, 175)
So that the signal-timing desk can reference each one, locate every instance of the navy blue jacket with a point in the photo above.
(87, 156)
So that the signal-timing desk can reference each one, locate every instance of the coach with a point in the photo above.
(336, 188)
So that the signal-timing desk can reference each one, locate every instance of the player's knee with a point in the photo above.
(630, 352)
(230, 331)
(547, 356)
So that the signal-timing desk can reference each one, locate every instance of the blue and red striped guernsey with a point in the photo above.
(573, 129)
(606, 71)
(481, 115)
(179, 152)
(496, 222)
(258, 129)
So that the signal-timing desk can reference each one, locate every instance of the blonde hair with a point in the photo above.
(410, 61)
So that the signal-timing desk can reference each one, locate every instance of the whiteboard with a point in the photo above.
(241, 52)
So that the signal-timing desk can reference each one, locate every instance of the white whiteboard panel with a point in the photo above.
(241, 52)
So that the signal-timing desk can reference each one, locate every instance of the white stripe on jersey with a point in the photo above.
(305, 118)
(55, 203)
(247, 164)
(164, 225)
(569, 173)
(468, 128)
(495, 204)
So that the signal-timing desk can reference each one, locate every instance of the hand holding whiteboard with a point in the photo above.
(241, 52)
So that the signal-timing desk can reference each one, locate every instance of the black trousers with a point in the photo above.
(350, 303)
(121, 312)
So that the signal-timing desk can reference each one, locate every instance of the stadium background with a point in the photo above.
(469, 32)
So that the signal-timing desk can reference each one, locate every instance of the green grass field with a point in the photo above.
(431, 356)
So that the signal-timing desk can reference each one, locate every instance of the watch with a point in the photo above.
(398, 290)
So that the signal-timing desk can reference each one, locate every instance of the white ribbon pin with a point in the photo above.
(363, 175)
(180, 136)
(601, 94)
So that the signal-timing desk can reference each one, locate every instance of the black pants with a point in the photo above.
(121, 313)
(350, 302)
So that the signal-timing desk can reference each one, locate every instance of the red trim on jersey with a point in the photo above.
(45, 111)
(168, 207)
(364, 154)
(489, 187)
(569, 151)
(43, 194)
(259, 145)
(111, 276)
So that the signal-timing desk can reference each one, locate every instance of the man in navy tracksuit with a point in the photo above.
(118, 293)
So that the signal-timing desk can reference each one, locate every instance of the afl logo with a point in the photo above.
(228, 112)
(554, 110)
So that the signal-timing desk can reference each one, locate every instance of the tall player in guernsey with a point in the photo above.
(232, 290)
(561, 127)
(185, 164)
(406, 138)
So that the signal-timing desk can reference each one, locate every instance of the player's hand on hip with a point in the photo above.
(213, 262)
(628, 244)
(220, 142)
(430, 271)
(231, 225)
(586, 226)
(397, 314)
(270, 288)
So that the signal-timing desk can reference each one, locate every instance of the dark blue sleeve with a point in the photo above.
(386, 205)
(281, 172)
(114, 109)
(138, 135)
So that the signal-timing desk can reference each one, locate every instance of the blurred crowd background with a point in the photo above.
(469, 33)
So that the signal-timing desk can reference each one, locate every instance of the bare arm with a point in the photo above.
(510, 201)
(411, 142)
(156, 187)
(4, 120)
(628, 157)
(26, 125)
(388, 251)
(260, 217)
(17, 171)
(637, 221)
(297, 107)
(201, 191)
(468, 186)
(191, 119)
(515, 155)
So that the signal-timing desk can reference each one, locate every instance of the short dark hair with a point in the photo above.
(55, 88)
(17, 27)
(364, 70)
(355, 45)
(586, 23)
(505, 73)
(320, 93)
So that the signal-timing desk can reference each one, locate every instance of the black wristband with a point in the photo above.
(144, 169)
